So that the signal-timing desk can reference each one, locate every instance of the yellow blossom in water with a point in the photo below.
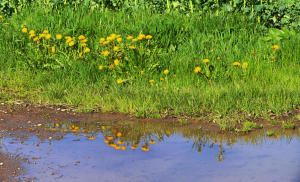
(275, 47)
(236, 64)
(119, 134)
(145, 149)
(58, 36)
(129, 37)
(133, 147)
(53, 49)
(47, 36)
(151, 81)
(123, 148)
(119, 81)
(166, 72)
(132, 47)
(91, 138)
(197, 69)
(105, 53)
(24, 30)
(119, 142)
(152, 142)
(119, 39)
(149, 37)
(244, 65)
(71, 43)
(86, 50)
(110, 138)
(100, 67)
(116, 62)
(205, 60)
(116, 48)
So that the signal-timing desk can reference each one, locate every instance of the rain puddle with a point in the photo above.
(153, 152)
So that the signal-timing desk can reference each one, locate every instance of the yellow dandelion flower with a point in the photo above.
(1, 16)
(80, 54)
(149, 37)
(45, 32)
(132, 47)
(236, 64)
(81, 37)
(151, 81)
(47, 36)
(24, 30)
(116, 48)
(135, 40)
(161, 79)
(119, 55)
(71, 43)
(84, 40)
(6, 23)
(142, 72)
(205, 60)
(218, 58)
(106, 42)
(53, 49)
(197, 69)
(100, 67)
(31, 36)
(166, 72)
(212, 50)
(119, 39)
(68, 37)
(83, 44)
(116, 62)
(105, 53)
(119, 81)
(111, 66)
(129, 37)
(101, 40)
(244, 65)
(58, 36)
(141, 37)
(86, 50)
(31, 32)
(275, 47)
(113, 36)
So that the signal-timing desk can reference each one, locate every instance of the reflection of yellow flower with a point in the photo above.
(123, 148)
(117, 147)
(275, 47)
(149, 37)
(197, 69)
(58, 36)
(24, 30)
(116, 62)
(205, 60)
(145, 149)
(91, 138)
(166, 72)
(133, 147)
(152, 142)
(119, 142)
(119, 134)
(245, 65)
(236, 64)
(119, 81)
(53, 49)
(110, 138)
(86, 50)
(151, 81)
(100, 67)
(105, 53)
(106, 141)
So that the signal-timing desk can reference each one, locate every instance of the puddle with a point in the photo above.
(153, 152)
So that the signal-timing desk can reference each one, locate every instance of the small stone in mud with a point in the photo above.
(1, 163)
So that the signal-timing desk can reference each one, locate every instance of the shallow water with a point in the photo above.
(155, 152)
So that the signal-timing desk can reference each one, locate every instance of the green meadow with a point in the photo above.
(149, 63)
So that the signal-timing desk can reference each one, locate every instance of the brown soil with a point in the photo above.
(9, 167)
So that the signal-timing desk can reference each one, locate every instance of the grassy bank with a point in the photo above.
(190, 65)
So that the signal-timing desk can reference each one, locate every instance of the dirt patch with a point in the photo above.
(10, 168)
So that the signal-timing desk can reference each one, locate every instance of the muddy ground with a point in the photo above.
(18, 117)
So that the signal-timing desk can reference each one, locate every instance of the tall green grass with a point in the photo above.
(270, 82)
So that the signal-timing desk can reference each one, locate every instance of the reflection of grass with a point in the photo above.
(288, 125)
(183, 121)
(248, 126)
(270, 133)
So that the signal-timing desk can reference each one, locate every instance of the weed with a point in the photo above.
(270, 133)
(288, 125)
(248, 126)
(183, 121)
